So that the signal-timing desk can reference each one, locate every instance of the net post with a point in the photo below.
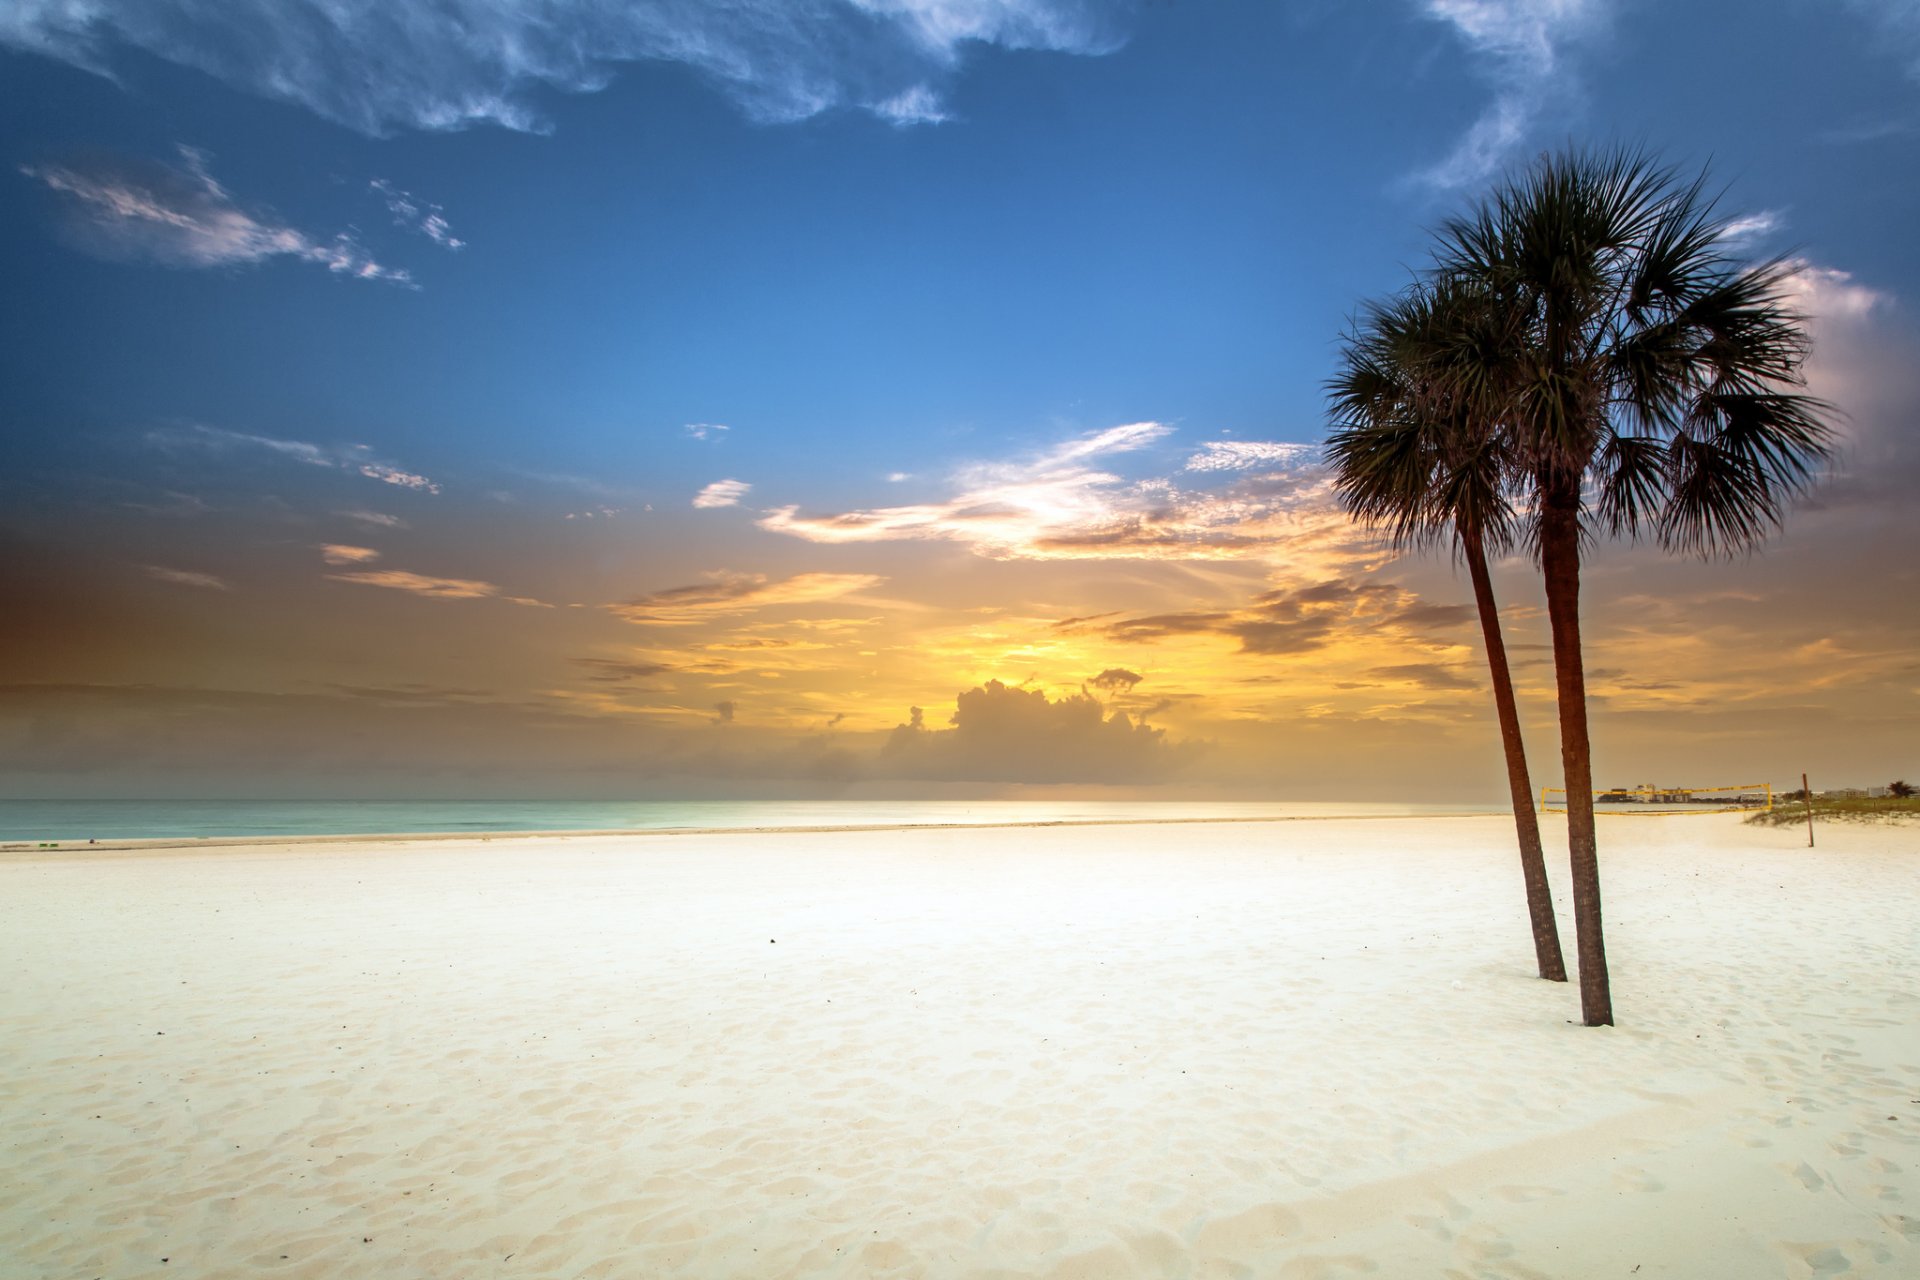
(1806, 793)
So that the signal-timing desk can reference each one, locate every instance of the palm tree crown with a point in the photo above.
(1650, 367)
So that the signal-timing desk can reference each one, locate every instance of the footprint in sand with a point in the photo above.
(1526, 1195)
(1322, 1267)
(1806, 1175)
(1633, 1178)
(1813, 1261)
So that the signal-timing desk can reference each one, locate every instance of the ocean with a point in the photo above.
(77, 821)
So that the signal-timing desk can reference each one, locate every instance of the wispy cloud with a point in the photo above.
(375, 68)
(1521, 45)
(1899, 25)
(378, 519)
(1245, 455)
(420, 584)
(136, 210)
(415, 214)
(356, 458)
(707, 430)
(1293, 620)
(1753, 226)
(340, 553)
(722, 493)
(186, 578)
(1063, 504)
(730, 593)
(387, 474)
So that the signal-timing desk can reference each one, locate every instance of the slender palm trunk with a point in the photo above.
(1560, 563)
(1533, 861)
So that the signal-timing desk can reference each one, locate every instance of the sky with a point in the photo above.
(884, 397)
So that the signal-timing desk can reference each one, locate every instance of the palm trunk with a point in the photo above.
(1560, 564)
(1533, 861)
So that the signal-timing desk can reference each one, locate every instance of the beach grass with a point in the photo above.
(1786, 813)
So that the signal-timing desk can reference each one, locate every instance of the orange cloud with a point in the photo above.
(732, 593)
(421, 585)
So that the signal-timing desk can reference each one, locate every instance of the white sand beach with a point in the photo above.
(1287, 1049)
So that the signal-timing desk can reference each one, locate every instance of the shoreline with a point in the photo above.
(15, 848)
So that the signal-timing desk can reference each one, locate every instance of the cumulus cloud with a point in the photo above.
(721, 493)
(376, 66)
(136, 210)
(415, 214)
(1116, 680)
(723, 711)
(186, 578)
(1826, 294)
(707, 430)
(1001, 733)
(420, 584)
(1063, 505)
(340, 553)
(355, 458)
(730, 593)
(1521, 45)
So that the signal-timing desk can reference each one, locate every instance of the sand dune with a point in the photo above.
(1303, 1049)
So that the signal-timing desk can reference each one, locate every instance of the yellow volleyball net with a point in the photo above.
(1649, 800)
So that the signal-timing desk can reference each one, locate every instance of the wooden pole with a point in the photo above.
(1806, 793)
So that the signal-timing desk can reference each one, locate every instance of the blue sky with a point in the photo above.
(279, 283)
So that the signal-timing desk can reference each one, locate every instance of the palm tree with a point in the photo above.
(1415, 454)
(1654, 388)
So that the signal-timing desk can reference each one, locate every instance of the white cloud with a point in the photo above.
(395, 476)
(186, 578)
(352, 458)
(133, 210)
(1059, 506)
(375, 65)
(722, 493)
(1522, 43)
(918, 105)
(1244, 455)
(1825, 293)
(707, 430)
(415, 214)
(1753, 226)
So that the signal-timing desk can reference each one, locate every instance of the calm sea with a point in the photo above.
(82, 820)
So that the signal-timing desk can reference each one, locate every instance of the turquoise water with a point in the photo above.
(82, 820)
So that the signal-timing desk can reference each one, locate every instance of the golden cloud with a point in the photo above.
(733, 593)
(421, 585)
